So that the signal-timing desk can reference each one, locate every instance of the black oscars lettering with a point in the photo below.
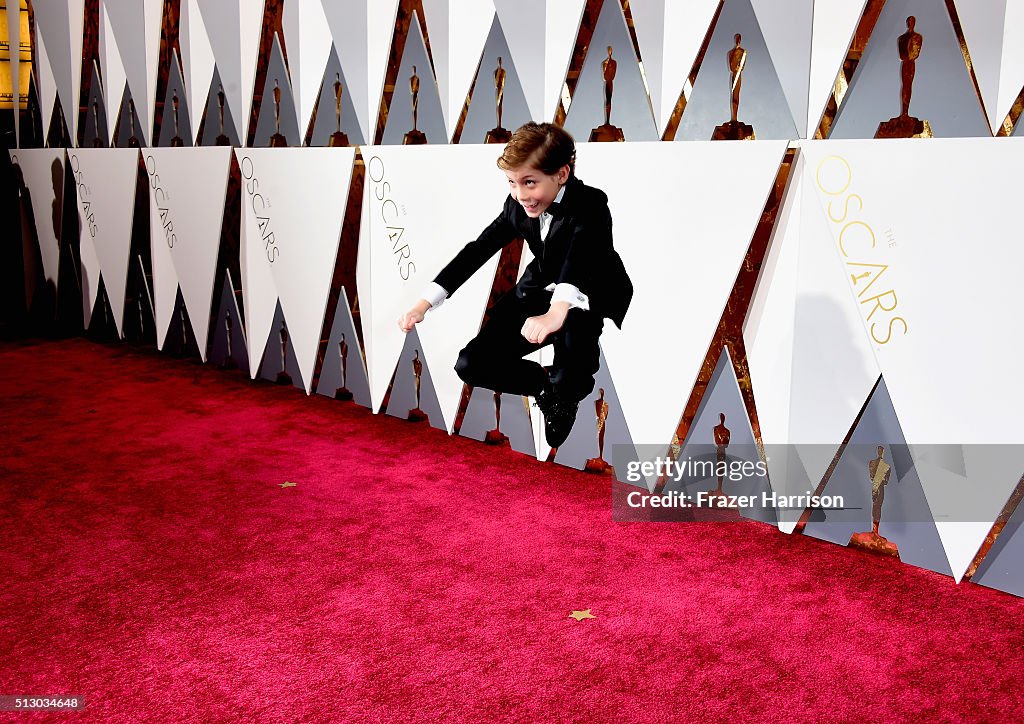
(83, 196)
(162, 200)
(260, 206)
(390, 213)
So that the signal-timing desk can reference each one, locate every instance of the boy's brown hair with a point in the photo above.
(542, 145)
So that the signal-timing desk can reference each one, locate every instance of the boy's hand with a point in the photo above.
(537, 329)
(414, 316)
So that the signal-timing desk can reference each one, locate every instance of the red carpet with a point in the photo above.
(153, 564)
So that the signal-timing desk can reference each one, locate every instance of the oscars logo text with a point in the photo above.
(160, 198)
(259, 205)
(389, 212)
(83, 196)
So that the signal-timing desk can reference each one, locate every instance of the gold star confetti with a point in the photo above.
(580, 615)
(287, 485)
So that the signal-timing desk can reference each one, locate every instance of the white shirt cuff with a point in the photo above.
(435, 294)
(565, 292)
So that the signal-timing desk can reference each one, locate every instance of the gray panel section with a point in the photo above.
(271, 365)
(128, 124)
(762, 101)
(430, 119)
(631, 106)
(481, 418)
(582, 443)
(482, 115)
(95, 133)
(326, 120)
(354, 378)
(210, 125)
(943, 92)
(723, 397)
(228, 325)
(270, 113)
(1003, 566)
(905, 518)
(175, 88)
(403, 390)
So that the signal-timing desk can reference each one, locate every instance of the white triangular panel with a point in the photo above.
(929, 341)
(649, 24)
(47, 89)
(412, 233)
(197, 60)
(14, 38)
(37, 170)
(61, 23)
(106, 180)
(1011, 78)
(435, 22)
(686, 25)
(380, 25)
(716, 213)
(983, 24)
(308, 40)
(186, 209)
(250, 26)
(89, 282)
(834, 23)
(114, 76)
(291, 226)
(786, 27)
(563, 25)
(470, 23)
(136, 27)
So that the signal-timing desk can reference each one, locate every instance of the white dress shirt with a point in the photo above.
(564, 292)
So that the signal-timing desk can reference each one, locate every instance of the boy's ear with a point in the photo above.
(563, 174)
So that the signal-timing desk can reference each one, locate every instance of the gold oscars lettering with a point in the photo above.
(606, 131)
(498, 134)
(389, 212)
(859, 247)
(735, 130)
(905, 125)
(415, 137)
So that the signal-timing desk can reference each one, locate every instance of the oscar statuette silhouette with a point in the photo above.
(343, 393)
(416, 414)
(415, 137)
(735, 130)
(496, 436)
(606, 131)
(277, 140)
(878, 474)
(905, 125)
(338, 139)
(283, 378)
(498, 134)
(599, 464)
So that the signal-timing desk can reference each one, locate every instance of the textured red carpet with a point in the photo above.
(152, 563)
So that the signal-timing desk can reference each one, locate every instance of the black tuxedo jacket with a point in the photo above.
(578, 250)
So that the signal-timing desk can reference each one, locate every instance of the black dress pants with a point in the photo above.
(494, 358)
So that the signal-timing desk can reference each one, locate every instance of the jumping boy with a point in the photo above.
(575, 280)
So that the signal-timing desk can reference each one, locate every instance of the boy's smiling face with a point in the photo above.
(534, 189)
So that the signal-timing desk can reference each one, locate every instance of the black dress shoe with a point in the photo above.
(559, 415)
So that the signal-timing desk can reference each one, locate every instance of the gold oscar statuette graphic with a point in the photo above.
(498, 134)
(416, 414)
(229, 360)
(496, 436)
(735, 130)
(343, 393)
(599, 465)
(606, 131)
(722, 436)
(338, 138)
(905, 125)
(283, 378)
(415, 137)
(277, 140)
(133, 141)
(878, 473)
(222, 140)
(97, 142)
(177, 141)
